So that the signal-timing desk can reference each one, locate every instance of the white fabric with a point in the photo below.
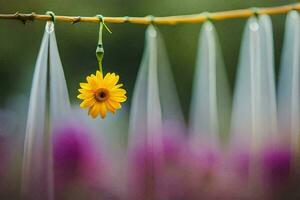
(254, 110)
(155, 100)
(154, 105)
(289, 81)
(211, 100)
(37, 173)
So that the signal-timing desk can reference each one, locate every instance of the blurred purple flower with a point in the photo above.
(79, 161)
(144, 169)
(154, 173)
(74, 154)
(276, 165)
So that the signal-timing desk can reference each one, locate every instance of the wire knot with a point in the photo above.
(52, 15)
(207, 16)
(101, 19)
(295, 6)
(76, 20)
(126, 19)
(151, 19)
(255, 11)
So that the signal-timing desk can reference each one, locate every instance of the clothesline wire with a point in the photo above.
(168, 20)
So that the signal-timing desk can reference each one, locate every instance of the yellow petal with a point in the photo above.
(111, 80)
(98, 79)
(85, 96)
(99, 75)
(88, 78)
(118, 99)
(114, 104)
(110, 107)
(117, 86)
(88, 102)
(92, 81)
(84, 91)
(107, 77)
(118, 92)
(85, 86)
(92, 112)
(103, 109)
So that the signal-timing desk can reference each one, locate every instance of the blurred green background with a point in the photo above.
(19, 44)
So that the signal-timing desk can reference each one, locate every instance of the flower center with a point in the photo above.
(102, 94)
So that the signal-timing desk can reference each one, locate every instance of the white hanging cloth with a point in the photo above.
(289, 82)
(254, 106)
(37, 174)
(211, 100)
(155, 101)
(59, 97)
(154, 105)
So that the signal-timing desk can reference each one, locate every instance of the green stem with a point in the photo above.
(100, 49)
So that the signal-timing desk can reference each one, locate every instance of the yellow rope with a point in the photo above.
(168, 20)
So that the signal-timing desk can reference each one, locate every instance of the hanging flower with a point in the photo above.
(101, 94)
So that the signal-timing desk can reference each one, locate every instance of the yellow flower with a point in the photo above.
(101, 94)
